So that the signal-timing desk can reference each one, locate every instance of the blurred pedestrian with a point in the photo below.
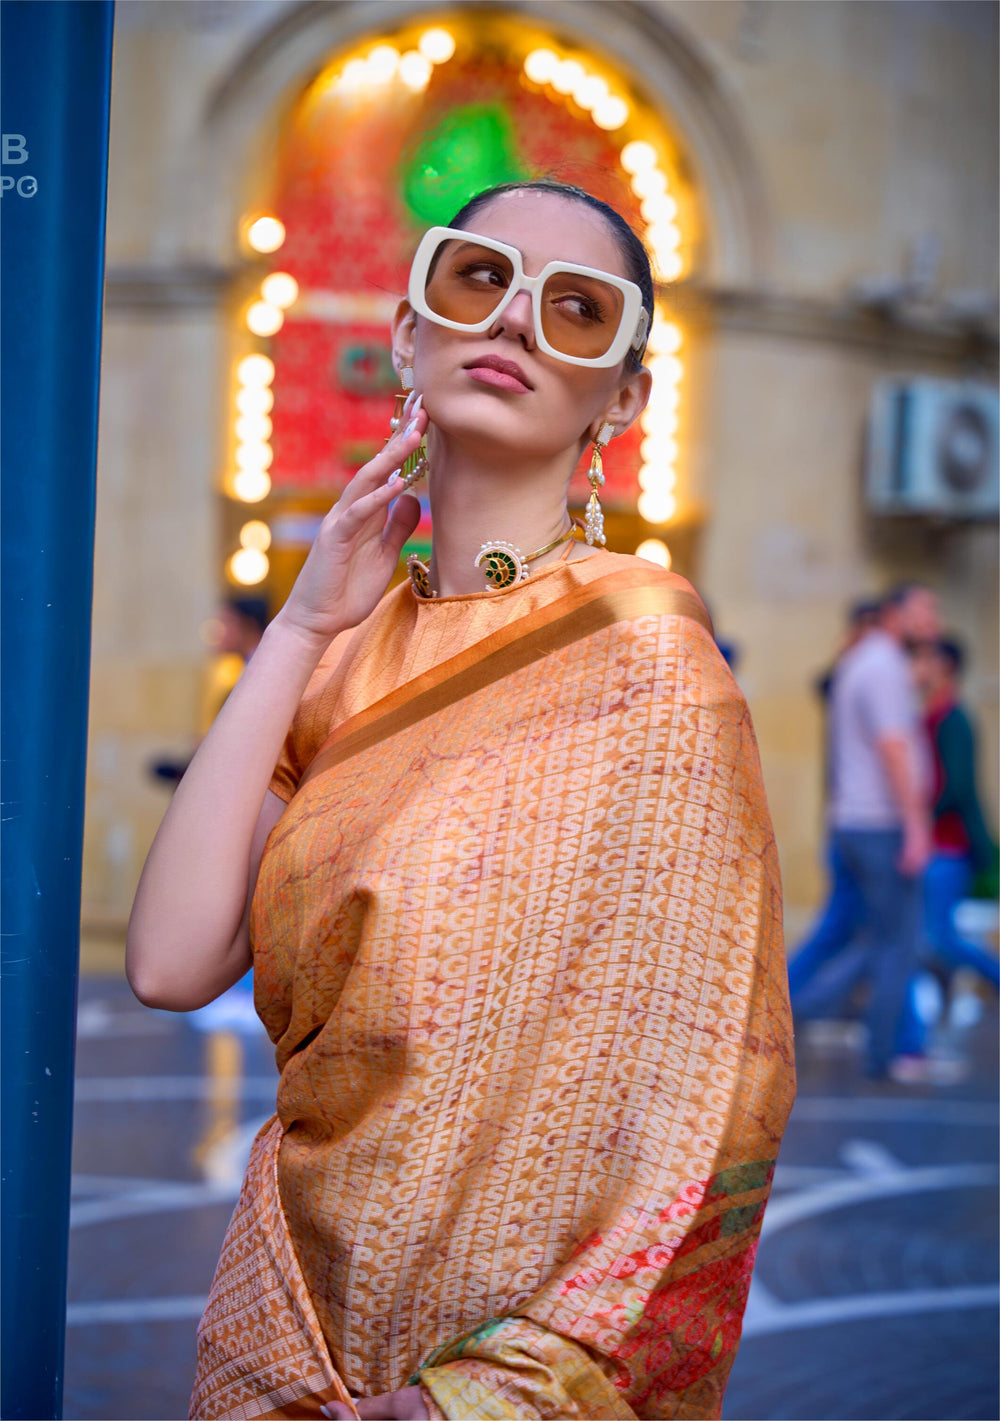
(233, 635)
(879, 815)
(838, 922)
(964, 855)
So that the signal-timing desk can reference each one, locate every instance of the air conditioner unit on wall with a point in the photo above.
(934, 449)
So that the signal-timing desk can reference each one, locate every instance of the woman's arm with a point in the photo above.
(187, 936)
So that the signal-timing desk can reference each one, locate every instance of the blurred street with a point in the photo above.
(875, 1295)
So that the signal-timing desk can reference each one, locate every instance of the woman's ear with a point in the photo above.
(632, 399)
(404, 333)
(629, 402)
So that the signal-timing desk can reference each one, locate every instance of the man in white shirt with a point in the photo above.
(879, 814)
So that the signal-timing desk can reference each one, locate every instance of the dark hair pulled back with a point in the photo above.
(633, 252)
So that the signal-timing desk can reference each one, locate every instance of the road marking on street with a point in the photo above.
(117, 1089)
(225, 1163)
(765, 1314)
(156, 1199)
(869, 1157)
(860, 1108)
(860, 1188)
(97, 1019)
(135, 1310)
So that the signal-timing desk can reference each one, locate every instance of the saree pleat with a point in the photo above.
(517, 940)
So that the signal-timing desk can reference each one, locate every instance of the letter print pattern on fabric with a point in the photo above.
(523, 968)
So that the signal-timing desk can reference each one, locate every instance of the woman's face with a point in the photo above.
(541, 404)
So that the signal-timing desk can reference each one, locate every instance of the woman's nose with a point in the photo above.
(517, 321)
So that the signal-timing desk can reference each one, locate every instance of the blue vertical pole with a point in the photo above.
(55, 61)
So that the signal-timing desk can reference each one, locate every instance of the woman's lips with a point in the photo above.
(501, 374)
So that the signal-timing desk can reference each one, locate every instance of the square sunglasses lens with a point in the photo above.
(581, 315)
(466, 281)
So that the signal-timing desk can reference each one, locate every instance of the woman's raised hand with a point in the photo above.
(358, 544)
(405, 1405)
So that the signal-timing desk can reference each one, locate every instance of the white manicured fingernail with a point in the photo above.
(408, 402)
(410, 427)
(393, 476)
(417, 405)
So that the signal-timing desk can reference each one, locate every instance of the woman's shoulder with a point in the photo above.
(601, 562)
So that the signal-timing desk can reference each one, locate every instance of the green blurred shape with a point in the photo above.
(422, 546)
(472, 148)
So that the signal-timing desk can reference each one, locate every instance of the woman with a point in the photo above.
(516, 929)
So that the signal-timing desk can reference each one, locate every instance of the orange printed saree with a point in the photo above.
(517, 941)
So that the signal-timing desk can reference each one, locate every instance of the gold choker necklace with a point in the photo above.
(502, 564)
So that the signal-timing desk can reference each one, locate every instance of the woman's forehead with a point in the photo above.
(546, 227)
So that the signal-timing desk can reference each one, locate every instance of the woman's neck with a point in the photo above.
(476, 501)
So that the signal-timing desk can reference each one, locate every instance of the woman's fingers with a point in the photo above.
(378, 468)
(352, 519)
(403, 520)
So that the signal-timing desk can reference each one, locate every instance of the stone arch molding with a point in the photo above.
(244, 110)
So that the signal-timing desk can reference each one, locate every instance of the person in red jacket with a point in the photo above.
(964, 856)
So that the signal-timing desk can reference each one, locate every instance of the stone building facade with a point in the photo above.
(844, 156)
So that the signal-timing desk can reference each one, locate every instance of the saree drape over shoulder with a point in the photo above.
(517, 941)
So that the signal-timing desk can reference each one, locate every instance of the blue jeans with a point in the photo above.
(884, 908)
(834, 930)
(947, 881)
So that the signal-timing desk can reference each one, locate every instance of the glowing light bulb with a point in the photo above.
(590, 91)
(540, 65)
(654, 550)
(251, 485)
(415, 70)
(383, 62)
(637, 156)
(659, 452)
(257, 399)
(664, 238)
(256, 370)
(657, 480)
(660, 208)
(248, 566)
(610, 113)
(355, 74)
(666, 338)
(266, 234)
(663, 426)
(437, 45)
(264, 319)
(567, 75)
(669, 397)
(665, 369)
(649, 183)
(660, 416)
(250, 427)
(656, 506)
(256, 534)
(280, 288)
(254, 454)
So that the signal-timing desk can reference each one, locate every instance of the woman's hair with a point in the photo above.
(633, 252)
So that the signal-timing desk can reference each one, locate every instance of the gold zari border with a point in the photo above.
(619, 597)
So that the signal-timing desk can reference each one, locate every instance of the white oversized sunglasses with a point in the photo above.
(581, 315)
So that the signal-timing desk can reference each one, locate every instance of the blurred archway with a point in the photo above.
(398, 129)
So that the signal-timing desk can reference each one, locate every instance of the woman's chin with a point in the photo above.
(497, 428)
